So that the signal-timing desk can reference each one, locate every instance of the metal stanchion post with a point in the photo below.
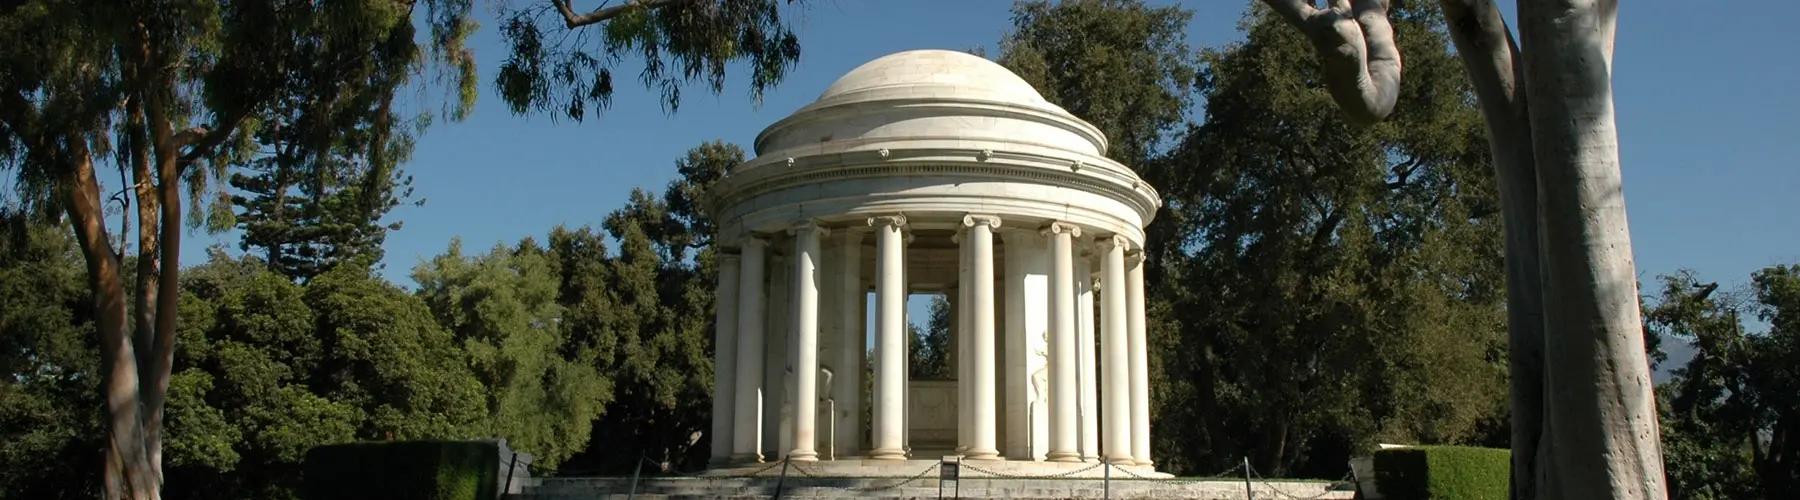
(957, 493)
(781, 481)
(941, 476)
(1247, 493)
(1106, 478)
(635, 468)
(511, 469)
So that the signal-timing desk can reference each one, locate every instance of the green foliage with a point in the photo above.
(928, 353)
(502, 307)
(1323, 286)
(269, 369)
(1726, 414)
(48, 366)
(426, 470)
(327, 151)
(550, 69)
(1444, 473)
(1119, 64)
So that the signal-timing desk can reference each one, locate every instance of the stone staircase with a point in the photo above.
(919, 487)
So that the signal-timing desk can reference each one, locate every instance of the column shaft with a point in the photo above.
(850, 365)
(1117, 410)
(983, 444)
(725, 324)
(963, 315)
(1140, 362)
(1063, 365)
(806, 340)
(747, 428)
(890, 341)
(1088, 381)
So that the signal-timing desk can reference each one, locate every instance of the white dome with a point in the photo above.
(935, 135)
(930, 93)
(936, 73)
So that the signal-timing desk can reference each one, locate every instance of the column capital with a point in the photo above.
(896, 220)
(1060, 228)
(972, 220)
(809, 225)
(1111, 241)
(1135, 257)
(755, 241)
(729, 257)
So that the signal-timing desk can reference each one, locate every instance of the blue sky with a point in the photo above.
(1707, 129)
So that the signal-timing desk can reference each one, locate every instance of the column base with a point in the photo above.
(803, 456)
(887, 454)
(983, 455)
(751, 458)
(1121, 460)
(1063, 456)
(1145, 463)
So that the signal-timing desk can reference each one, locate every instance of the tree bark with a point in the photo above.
(144, 188)
(1490, 57)
(1356, 46)
(1599, 405)
(128, 471)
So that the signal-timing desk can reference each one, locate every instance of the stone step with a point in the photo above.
(1012, 489)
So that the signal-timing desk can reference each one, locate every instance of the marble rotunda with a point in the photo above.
(931, 171)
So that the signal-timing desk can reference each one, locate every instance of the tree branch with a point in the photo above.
(1356, 46)
(201, 141)
(605, 12)
(1487, 50)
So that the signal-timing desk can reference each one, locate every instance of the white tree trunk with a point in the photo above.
(1490, 57)
(1584, 421)
(1600, 410)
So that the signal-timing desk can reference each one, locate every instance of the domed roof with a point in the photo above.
(933, 73)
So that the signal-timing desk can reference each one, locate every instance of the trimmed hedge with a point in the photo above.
(1443, 473)
(424, 470)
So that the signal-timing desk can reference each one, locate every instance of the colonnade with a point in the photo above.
(1046, 283)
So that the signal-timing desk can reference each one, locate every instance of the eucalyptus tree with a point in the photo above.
(166, 86)
(1583, 410)
(561, 58)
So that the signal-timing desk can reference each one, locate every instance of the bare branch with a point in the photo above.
(1355, 43)
(605, 12)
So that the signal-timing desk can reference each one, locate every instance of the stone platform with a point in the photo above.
(698, 488)
(971, 469)
(920, 479)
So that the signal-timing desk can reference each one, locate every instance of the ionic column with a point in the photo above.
(980, 344)
(1088, 380)
(1063, 393)
(1017, 369)
(1137, 345)
(725, 321)
(747, 429)
(960, 315)
(890, 339)
(806, 339)
(1117, 409)
(850, 366)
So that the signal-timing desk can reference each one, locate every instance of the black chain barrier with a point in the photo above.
(1249, 474)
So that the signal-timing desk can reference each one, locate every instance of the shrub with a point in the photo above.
(425, 470)
(1443, 473)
